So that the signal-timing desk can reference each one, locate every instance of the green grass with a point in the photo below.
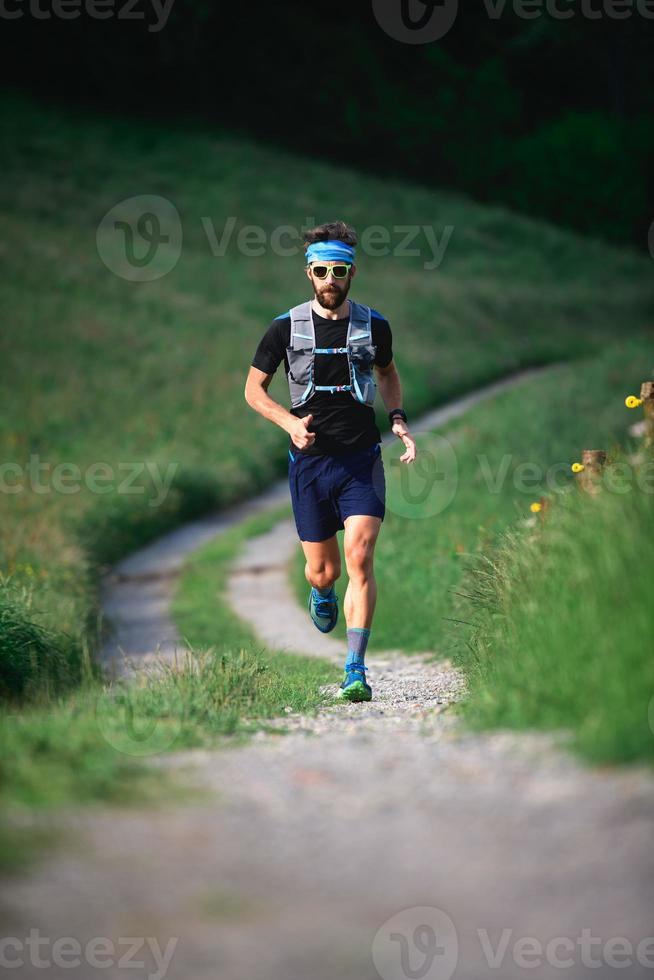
(97, 369)
(92, 745)
(37, 662)
(564, 621)
(204, 619)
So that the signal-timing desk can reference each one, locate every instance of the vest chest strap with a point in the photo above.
(302, 352)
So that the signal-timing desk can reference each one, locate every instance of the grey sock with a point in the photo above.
(357, 641)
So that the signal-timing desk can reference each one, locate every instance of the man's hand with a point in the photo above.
(400, 429)
(299, 433)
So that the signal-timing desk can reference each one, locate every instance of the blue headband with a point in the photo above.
(333, 251)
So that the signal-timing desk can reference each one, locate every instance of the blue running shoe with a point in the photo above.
(323, 610)
(355, 686)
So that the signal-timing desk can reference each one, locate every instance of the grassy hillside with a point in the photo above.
(100, 370)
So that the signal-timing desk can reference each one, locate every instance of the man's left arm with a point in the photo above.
(390, 389)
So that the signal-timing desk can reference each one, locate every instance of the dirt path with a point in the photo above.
(373, 840)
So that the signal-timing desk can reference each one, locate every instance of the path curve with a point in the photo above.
(135, 595)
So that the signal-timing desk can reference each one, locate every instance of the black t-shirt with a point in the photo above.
(341, 423)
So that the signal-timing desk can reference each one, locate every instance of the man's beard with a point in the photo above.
(331, 297)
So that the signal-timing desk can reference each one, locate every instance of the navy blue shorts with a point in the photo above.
(326, 489)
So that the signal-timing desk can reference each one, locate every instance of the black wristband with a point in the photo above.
(397, 412)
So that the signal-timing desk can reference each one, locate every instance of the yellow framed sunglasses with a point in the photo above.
(339, 270)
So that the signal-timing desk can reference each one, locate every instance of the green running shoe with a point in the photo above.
(323, 610)
(354, 686)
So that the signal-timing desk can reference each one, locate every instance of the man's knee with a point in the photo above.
(359, 558)
(323, 572)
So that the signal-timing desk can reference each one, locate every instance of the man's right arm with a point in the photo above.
(269, 355)
(257, 397)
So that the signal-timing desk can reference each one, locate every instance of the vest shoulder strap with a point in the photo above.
(302, 326)
(360, 328)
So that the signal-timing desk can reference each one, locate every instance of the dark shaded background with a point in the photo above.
(551, 117)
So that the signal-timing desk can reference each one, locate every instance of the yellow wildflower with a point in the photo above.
(535, 507)
(577, 467)
(632, 402)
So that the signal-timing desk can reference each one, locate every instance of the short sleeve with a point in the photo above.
(272, 346)
(383, 339)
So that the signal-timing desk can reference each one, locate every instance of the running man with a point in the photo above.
(330, 346)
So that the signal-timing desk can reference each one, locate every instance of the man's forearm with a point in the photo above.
(390, 388)
(262, 403)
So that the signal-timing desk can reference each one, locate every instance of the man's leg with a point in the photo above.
(322, 568)
(359, 604)
(361, 533)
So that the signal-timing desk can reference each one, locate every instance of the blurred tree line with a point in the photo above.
(551, 117)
